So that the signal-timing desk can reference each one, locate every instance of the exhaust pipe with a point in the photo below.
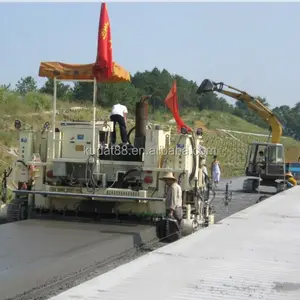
(141, 118)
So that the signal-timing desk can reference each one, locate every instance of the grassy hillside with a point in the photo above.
(34, 110)
(222, 120)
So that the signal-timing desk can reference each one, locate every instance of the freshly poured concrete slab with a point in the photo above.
(33, 252)
(253, 254)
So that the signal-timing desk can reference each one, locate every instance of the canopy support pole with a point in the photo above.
(94, 116)
(54, 117)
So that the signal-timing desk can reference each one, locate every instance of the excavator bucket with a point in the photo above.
(206, 86)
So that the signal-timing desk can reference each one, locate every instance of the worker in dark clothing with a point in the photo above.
(261, 162)
(119, 115)
(261, 157)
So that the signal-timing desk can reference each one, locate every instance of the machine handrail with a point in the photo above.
(96, 196)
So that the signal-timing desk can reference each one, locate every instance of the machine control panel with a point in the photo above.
(26, 146)
(77, 142)
(77, 139)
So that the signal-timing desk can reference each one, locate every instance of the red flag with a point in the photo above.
(171, 102)
(104, 63)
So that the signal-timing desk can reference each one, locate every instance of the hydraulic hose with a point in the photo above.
(91, 183)
(6, 174)
(129, 134)
(192, 176)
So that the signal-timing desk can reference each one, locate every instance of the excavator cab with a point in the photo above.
(265, 160)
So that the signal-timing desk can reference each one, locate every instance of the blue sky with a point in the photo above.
(252, 46)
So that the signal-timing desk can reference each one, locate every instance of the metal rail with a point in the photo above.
(95, 196)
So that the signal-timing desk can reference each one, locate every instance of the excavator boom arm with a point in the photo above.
(264, 112)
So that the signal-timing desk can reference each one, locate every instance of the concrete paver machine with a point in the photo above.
(73, 170)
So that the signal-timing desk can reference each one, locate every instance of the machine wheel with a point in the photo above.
(188, 227)
(17, 210)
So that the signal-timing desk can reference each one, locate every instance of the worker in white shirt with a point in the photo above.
(215, 171)
(173, 197)
(119, 115)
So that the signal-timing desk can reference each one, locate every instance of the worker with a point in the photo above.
(173, 197)
(215, 171)
(291, 181)
(119, 115)
(261, 157)
(261, 162)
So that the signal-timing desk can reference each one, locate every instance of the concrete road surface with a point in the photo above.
(35, 252)
(239, 200)
(32, 252)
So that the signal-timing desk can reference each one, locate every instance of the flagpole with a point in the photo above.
(54, 117)
(94, 116)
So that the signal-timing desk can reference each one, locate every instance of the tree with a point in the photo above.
(82, 91)
(124, 93)
(5, 87)
(63, 91)
(107, 94)
(158, 84)
(26, 85)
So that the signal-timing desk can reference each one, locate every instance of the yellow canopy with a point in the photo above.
(64, 71)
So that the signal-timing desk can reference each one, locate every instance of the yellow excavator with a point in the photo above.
(265, 164)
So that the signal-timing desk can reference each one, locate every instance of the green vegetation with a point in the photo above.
(231, 149)
(33, 107)
(222, 120)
